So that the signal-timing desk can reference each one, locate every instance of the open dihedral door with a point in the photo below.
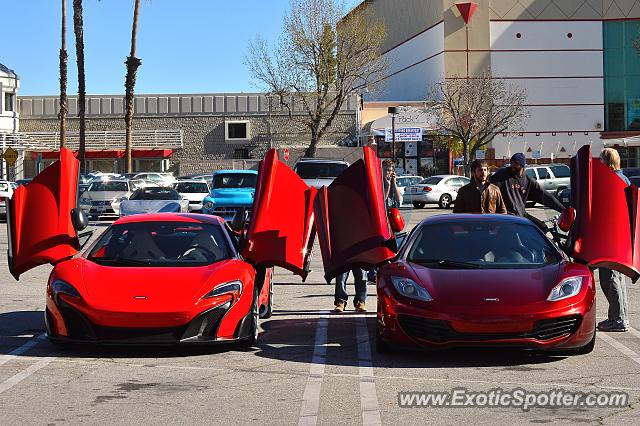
(606, 231)
(353, 229)
(281, 230)
(39, 217)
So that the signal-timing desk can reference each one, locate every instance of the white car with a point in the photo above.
(318, 172)
(194, 191)
(160, 178)
(6, 192)
(406, 180)
(441, 190)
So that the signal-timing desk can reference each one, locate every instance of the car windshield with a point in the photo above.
(313, 170)
(152, 193)
(482, 244)
(192, 187)
(433, 180)
(109, 186)
(161, 244)
(235, 180)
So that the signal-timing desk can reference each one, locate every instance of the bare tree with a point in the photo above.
(132, 64)
(62, 115)
(82, 91)
(473, 111)
(322, 57)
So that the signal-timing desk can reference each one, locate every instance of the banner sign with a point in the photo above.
(404, 134)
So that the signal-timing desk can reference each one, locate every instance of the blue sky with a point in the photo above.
(185, 46)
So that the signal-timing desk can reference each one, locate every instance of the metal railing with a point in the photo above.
(110, 139)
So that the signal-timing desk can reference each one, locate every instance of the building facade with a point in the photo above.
(576, 59)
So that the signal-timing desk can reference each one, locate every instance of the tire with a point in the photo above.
(268, 311)
(445, 201)
(418, 205)
(251, 341)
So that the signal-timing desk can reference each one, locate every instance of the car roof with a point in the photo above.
(446, 176)
(191, 181)
(170, 217)
(546, 165)
(251, 172)
(464, 217)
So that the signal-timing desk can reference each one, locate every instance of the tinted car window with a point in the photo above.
(631, 171)
(155, 194)
(433, 180)
(235, 180)
(635, 180)
(192, 187)
(531, 173)
(488, 245)
(161, 244)
(543, 173)
(114, 186)
(312, 170)
(561, 171)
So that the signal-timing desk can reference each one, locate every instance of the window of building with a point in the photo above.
(621, 76)
(237, 130)
(9, 101)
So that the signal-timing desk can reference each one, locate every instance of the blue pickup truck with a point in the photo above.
(230, 191)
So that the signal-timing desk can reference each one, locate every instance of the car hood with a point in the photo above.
(470, 287)
(165, 289)
(235, 195)
(318, 182)
(104, 195)
(191, 196)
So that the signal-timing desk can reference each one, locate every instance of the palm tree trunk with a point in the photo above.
(77, 29)
(132, 64)
(62, 115)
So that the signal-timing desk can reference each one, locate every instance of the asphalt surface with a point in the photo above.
(309, 367)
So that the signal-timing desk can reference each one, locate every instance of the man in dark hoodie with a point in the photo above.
(517, 188)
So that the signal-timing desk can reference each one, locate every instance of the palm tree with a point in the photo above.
(77, 29)
(62, 115)
(132, 64)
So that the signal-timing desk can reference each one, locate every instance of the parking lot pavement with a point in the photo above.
(310, 367)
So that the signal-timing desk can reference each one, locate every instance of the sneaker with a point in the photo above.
(605, 323)
(614, 326)
(340, 307)
(360, 307)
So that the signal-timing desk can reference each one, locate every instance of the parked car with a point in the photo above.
(405, 181)
(97, 200)
(21, 182)
(193, 190)
(153, 200)
(231, 190)
(319, 172)
(161, 178)
(552, 177)
(208, 177)
(6, 192)
(440, 189)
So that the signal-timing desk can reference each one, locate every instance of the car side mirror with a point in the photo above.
(396, 220)
(79, 219)
(567, 218)
(239, 219)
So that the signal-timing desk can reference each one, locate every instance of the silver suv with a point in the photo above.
(552, 177)
(319, 172)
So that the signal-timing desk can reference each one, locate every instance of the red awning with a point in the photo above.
(118, 153)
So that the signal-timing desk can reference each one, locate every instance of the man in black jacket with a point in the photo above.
(517, 188)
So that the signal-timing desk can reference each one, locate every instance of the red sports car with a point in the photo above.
(149, 279)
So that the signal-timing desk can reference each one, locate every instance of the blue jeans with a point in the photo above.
(360, 278)
(615, 290)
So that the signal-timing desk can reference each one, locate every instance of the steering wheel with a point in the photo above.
(208, 254)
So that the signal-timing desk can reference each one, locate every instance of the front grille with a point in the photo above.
(101, 203)
(78, 326)
(440, 331)
(194, 202)
(228, 211)
(139, 335)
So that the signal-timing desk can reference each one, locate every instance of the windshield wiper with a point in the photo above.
(120, 261)
(445, 263)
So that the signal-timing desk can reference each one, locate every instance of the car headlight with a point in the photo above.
(61, 287)
(409, 288)
(567, 288)
(208, 205)
(232, 287)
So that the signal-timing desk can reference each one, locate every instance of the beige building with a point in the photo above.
(575, 59)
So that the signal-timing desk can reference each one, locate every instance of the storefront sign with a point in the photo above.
(404, 134)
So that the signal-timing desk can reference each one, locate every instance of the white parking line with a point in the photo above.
(634, 332)
(21, 349)
(368, 395)
(311, 397)
(633, 356)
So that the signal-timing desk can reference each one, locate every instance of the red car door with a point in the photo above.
(353, 229)
(606, 231)
(39, 217)
(281, 231)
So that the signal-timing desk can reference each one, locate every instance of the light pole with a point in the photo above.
(393, 111)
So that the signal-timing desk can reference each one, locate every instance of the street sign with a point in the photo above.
(286, 154)
(10, 155)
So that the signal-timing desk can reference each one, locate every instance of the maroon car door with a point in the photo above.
(281, 230)
(606, 231)
(353, 229)
(39, 217)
